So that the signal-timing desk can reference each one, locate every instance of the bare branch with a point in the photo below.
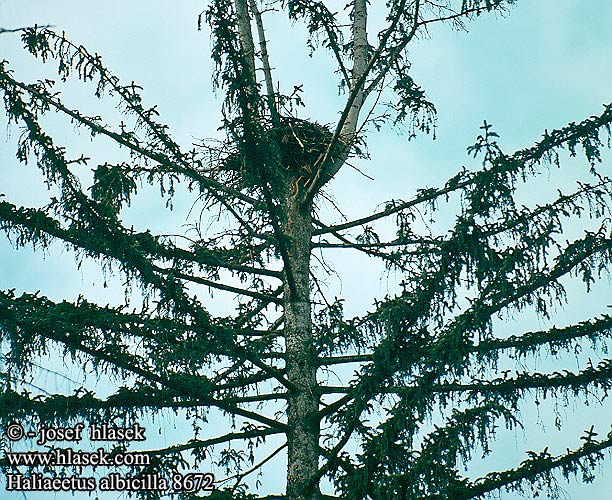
(220, 286)
(203, 443)
(17, 30)
(240, 476)
(338, 360)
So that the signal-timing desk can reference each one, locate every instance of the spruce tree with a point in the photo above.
(423, 380)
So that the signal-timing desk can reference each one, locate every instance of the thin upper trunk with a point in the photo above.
(246, 36)
(360, 63)
(347, 127)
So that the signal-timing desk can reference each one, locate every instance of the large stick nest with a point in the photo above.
(302, 146)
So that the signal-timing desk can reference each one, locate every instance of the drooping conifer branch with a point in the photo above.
(58, 407)
(584, 134)
(18, 109)
(538, 470)
(510, 389)
(197, 387)
(72, 327)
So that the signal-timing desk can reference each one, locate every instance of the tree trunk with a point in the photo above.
(303, 404)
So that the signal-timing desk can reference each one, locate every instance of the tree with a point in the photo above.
(429, 352)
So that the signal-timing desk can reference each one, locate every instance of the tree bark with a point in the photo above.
(246, 36)
(303, 403)
(360, 64)
(347, 126)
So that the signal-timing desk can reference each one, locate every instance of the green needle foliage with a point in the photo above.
(430, 384)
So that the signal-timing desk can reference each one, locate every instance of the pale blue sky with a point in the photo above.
(546, 64)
